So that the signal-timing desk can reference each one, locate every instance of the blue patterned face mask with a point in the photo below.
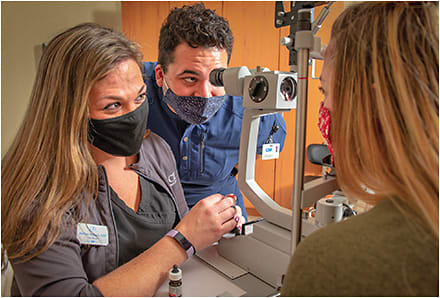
(193, 109)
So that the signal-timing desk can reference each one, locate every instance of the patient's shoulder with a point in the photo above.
(357, 255)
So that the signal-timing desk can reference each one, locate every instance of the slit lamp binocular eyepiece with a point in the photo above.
(260, 88)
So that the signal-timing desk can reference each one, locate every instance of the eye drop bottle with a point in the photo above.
(175, 284)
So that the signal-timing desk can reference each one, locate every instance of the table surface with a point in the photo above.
(200, 279)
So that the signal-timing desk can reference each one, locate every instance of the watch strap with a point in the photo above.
(187, 246)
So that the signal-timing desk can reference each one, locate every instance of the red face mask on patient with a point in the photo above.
(324, 127)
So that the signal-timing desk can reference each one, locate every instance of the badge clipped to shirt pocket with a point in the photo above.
(89, 234)
(271, 151)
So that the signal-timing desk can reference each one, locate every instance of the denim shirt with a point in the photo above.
(206, 153)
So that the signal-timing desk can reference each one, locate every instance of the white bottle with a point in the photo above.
(175, 284)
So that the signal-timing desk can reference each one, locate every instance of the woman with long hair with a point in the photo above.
(91, 202)
(380, 85)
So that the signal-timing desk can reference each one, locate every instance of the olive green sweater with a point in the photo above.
(378, 253)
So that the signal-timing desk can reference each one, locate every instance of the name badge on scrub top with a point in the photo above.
(271, 151)
(92, 234)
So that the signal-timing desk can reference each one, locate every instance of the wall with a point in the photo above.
(25, 26)
(256, 42)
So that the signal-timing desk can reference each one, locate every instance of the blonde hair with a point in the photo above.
(385, 90)
(49, 169)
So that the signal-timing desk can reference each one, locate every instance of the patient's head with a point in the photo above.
(384, 68)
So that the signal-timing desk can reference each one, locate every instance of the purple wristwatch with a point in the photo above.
(187, 246)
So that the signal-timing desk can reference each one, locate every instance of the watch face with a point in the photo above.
(183, 241)
(187, 246)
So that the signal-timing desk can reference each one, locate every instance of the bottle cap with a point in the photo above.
(175, 273)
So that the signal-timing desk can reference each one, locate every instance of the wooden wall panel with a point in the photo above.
(217, 6)
(256, 42)
(141, 22)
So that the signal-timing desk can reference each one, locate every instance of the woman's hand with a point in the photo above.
(209, 219)
(238, 214)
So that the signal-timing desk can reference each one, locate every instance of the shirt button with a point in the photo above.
(185, 139)
(185, 157)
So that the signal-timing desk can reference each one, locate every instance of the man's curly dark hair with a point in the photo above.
(195, 25)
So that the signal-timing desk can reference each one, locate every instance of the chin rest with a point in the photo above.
(319, 154)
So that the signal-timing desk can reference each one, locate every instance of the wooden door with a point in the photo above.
(256, 43)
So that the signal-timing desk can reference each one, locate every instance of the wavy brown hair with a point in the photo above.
(48, 169)
(195, 25)
(385, 90)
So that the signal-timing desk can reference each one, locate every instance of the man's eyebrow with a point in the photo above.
(189, 72)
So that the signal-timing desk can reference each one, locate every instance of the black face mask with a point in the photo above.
(120, 136)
